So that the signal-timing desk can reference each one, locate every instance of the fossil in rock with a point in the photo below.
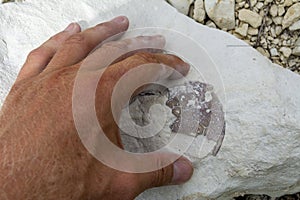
(196, 109)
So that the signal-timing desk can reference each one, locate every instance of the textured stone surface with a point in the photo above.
(250, 17)
(221, 12)
(199, 12)
(182, 6)
(296, 50)
(292, 15)
(295, 26)
(261, 150)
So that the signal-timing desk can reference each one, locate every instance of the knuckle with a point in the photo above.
(39, 52)
(146, 57)
(77, 39)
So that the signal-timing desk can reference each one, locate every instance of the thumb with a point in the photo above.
(174, 174)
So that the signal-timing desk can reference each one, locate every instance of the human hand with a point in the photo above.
(41, 154)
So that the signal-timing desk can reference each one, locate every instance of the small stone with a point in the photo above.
(253, 39)
(221, 12)
(269, 21)
(199, 12)
(263, 52)
(252, 31)
(250, 17)
(295, 26)
(296, 50)
(274, 52)
(242, 30)
(291, 16)
(277, 20)
(253, 2)
(273, 10)
(275, 41)
(182, 6)
(288, 3)
(259, 5)
(278, 30)
(285, 51)
(285, 36)
(270, 38)
(211, 24)
(273, 33)
(242, 4)
(281, 10)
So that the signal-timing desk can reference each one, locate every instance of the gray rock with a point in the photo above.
(274, 52)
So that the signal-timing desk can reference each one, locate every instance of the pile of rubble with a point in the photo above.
(270, 26)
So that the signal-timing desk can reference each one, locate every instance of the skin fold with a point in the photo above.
(41, 155)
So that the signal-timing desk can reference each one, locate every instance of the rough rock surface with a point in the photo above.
(270, 33)
(199, 12)
(296, 50)
(182, 6)
(250, 17)
(295, 26)
(261, 150)
(292, 15)
(221, 12)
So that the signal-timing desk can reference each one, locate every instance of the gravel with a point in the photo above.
(270, 26)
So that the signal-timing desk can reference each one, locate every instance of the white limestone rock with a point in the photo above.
(250, 17)
(295, 26)
(261, 150)
(199, 12)
(285, 51)
(274, 10)
(221, 12)
(182, 6)
(242, 30)
(292, 15)
(296, 50)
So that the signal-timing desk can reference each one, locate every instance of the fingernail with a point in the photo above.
(119, 20)
(182, 171)
(71, 27)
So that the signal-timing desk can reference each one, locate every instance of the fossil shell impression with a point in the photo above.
(194, 110)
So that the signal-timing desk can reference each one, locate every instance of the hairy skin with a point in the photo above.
(41, 155)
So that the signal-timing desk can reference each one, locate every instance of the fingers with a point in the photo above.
(177, 173)
(77, 47)
(111, 51)
(38, 59)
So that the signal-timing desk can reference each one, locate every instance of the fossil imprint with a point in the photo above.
(195, 108)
